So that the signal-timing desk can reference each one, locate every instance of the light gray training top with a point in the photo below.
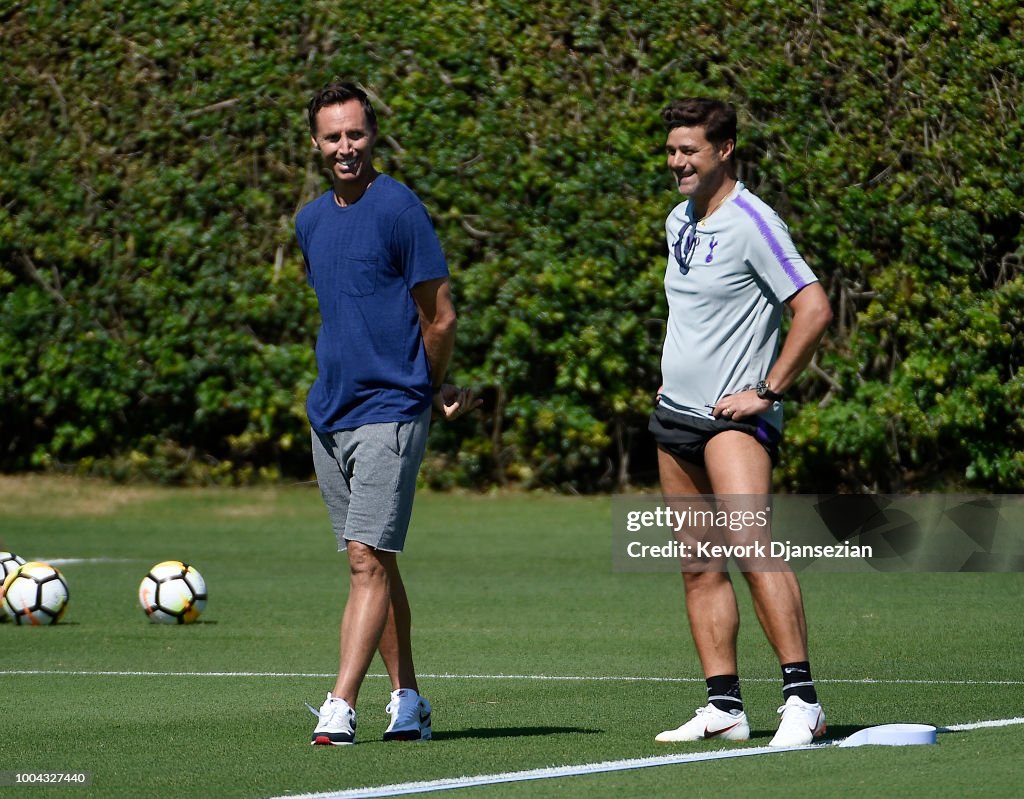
(725, 302)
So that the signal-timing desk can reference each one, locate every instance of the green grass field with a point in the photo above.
(505, 590)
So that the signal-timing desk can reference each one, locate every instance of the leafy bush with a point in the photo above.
(153, 317)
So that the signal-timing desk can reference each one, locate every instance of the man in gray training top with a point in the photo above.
(718, 422)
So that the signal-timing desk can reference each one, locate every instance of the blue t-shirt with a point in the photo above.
(362, 261)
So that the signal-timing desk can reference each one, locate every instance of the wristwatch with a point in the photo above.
(766, 393)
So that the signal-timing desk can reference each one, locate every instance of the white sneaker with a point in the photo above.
(336, 725)
(801, 723)
(710, 722)
(410, 717)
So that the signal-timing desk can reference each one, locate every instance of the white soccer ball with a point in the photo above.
(8, 563)
(35, 593)
(173, 593)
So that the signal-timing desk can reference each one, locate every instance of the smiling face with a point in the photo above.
(345, 140)
(699, 167)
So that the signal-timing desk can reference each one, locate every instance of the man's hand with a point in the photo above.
(451, 402)
(735, 407)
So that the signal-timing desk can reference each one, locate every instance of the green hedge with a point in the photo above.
(153, 317)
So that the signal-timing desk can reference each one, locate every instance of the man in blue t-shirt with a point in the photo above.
(387, 333)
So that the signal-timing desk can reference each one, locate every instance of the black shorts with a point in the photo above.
(686, 436)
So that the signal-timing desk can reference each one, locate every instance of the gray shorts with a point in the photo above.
(367, 478)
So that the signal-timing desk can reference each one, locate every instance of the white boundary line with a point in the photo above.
(450, 676)
(980, 725)
(447, 784)
(450, 783)
(76, 561)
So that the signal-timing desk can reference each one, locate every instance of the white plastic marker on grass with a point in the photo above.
(916, 734)
(892, 735)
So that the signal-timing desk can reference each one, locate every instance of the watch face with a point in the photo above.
(766, 393)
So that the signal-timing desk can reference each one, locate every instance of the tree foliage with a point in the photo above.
(153, 318)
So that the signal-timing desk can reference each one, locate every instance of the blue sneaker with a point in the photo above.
(410, 717)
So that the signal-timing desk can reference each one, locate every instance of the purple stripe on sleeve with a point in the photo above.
(773, 243)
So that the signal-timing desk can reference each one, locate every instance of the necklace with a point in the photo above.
(715, 207)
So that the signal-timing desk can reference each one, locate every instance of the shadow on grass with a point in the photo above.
(510, 732)
(835, 732)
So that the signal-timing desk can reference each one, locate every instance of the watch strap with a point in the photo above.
(764, 392)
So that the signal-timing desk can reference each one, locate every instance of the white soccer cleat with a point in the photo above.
(801, 723)
(336, 723)
(709, 723)
(410, 717)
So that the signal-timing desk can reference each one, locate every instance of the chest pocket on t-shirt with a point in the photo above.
(356, 274)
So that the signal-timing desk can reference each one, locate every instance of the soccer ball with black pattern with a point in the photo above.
(35, 593)
(8, 563)
(173, 593)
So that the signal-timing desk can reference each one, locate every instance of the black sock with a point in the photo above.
(724, 692)
(796, 681)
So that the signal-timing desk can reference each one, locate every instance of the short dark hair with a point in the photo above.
(337, 93)
(718, 118)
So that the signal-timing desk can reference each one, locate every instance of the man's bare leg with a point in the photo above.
(366, 615)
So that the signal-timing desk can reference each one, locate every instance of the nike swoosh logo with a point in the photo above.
(424, 719)
(711, 734)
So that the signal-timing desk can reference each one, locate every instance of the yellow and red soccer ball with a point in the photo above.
(173, 592)
(33, 593)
